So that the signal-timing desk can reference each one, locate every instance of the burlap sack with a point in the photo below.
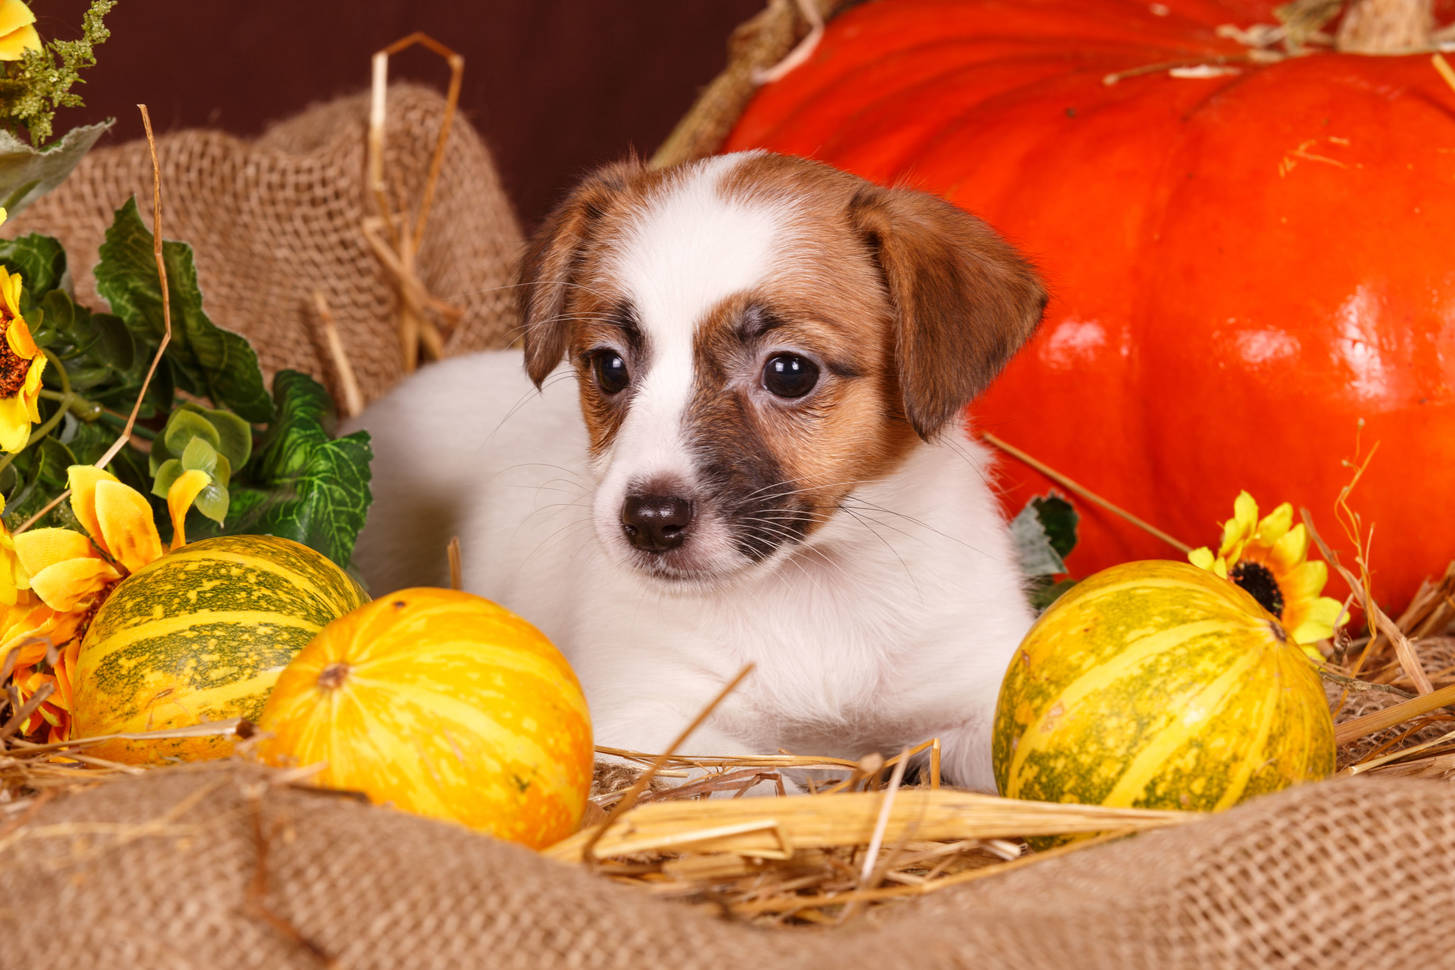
(220, 866)
(273, 219)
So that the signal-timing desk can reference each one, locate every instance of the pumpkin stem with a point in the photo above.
(333, 676)
(1386, 27)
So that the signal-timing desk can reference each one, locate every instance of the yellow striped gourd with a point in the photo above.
(444, 704)
(1156, 684)
(201, 634)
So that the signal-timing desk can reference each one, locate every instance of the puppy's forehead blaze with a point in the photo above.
(688, 247)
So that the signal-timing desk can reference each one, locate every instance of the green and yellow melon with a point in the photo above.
(201, 635)
(1158, 685)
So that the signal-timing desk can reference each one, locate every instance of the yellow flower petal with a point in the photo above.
(1273, 525)
(82, 480)
(14, 14)
(1239, 529)
(14, 45)
(41, 548)
(1245, 511)
(1304, 582)
(30, 392)
(20, 340)
(10, 284)
(14, 424)
(127, 528)
(73, 584)
(1290, 549)
(1204, 559)
(180, 496)
(1318, 624)
(32, 627)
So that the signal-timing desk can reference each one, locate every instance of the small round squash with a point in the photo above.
(200, 635)
(1158, 685)
(443, 704)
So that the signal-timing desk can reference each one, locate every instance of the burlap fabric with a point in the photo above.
(275, 218)
(220, 866)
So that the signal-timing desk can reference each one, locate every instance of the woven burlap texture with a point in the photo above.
(221, 866)
(273, 219)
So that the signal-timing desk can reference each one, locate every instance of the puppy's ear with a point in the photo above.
(552, 261)
(963, 299)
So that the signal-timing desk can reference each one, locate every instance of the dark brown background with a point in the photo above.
(555, 86)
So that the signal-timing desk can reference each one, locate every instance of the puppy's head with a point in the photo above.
(753, 337)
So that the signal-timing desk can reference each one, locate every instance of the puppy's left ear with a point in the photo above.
(963, 299)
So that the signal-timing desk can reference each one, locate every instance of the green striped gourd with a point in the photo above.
(198, 635)
(1158, 685)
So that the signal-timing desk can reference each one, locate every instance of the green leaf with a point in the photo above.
(204, 359)
(200, 456)
(213, 501)
(1058, 519)
(1034, 550)
(304, 484)
(183, 428)
(165, 475)
(227, 434)
(27, 173)
(41, 263)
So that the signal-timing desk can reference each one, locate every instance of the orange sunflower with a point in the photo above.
(1268, 557)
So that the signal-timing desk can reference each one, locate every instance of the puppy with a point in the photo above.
(754, 452)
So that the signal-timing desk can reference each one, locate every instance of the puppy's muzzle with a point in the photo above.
(656, 523)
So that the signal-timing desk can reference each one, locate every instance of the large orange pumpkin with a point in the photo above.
(1246, 259)
(443, 704)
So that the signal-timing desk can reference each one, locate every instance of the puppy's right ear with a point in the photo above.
(552, 261)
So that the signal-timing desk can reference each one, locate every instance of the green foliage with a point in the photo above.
(31, 93)
(306, 484)
(274, 464)
(202, 359)
(1044, 533)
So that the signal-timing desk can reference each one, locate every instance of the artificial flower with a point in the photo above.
(21, 364)
(1268, 557)
(17, 31)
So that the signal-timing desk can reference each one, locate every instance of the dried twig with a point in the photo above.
(403, 243)
(353, 398)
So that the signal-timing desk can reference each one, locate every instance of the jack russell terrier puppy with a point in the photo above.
(754, 452)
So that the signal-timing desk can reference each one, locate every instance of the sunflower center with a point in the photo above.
(1258, 580)
(13, 368)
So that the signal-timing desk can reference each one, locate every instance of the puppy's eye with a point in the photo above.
(789, 375)
(610, 371)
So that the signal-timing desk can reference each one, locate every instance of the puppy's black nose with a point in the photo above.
(656, 523)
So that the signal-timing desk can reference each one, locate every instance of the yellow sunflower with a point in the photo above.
(57, 578)
(17, 30)
(21, 364)
(1268, 557)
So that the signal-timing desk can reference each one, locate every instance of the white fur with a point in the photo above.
(891, 624)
